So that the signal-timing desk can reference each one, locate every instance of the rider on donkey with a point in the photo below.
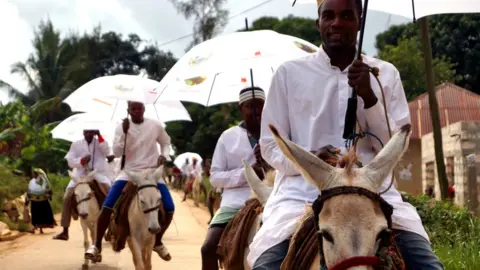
(141, 153)
(234, 145)
(192, 171)
(307, 103)
(88, 152)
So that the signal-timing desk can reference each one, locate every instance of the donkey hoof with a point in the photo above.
(84, 266)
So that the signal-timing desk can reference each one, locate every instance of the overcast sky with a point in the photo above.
(153, 20)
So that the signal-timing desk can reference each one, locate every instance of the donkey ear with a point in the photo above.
(158, 173)
(73, 176)
(134, 177)
(315, 170)
(91, 175)
(384, 162)
(261, 190)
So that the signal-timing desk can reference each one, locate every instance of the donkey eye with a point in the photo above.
(142, 202)
(327, 236)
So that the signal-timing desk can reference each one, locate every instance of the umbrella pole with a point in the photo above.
(122, 162)
(253, 93)
(351, 114)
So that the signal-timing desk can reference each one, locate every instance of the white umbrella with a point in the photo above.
(215, 71)
(71, 129)
(108, 95)
(180, 159)
(416, 8)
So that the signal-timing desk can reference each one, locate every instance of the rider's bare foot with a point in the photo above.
(163, 252)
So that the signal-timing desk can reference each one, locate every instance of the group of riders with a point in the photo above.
(306, 103)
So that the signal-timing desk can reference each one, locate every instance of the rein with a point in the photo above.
(387, 210)
(155, 208)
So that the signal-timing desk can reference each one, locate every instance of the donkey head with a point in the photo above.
(351, 225)
(148, 195)
(82, 192)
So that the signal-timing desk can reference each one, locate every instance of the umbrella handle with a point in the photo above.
(351, 114)
(122, 166)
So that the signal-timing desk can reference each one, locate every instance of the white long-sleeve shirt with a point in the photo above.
(141, 151)
(227, 170)
(307, 103)
(192, 171)
(98, 152)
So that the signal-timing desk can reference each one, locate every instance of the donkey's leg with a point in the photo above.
(148, 249)
(136, 253)
(86, 244)
(148, 259)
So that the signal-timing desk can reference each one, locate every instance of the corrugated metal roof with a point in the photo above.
(455, 104)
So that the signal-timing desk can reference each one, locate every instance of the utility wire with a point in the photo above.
(75, 67)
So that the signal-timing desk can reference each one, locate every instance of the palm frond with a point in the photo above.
(21, 68)
(42, 107)
(9, 134)
(12, 91)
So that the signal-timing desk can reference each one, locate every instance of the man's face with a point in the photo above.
(339, 23)
(136, 110)
(247, 111)
(88, 134)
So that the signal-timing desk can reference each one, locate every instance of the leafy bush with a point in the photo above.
(11, 185)
(453, 231)
(59, 183)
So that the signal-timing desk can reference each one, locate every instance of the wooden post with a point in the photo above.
(434, 113)
(472, 201)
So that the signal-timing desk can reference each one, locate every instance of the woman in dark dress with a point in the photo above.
(38, 195)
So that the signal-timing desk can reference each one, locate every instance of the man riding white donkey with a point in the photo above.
(306, 103)
(141, 154)
(234, 145)
(85, 155)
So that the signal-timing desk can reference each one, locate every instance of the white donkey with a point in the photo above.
(143, 216)
(87, 207)
(353, 220)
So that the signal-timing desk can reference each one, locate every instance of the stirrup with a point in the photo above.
(93, 254)
(163, 252)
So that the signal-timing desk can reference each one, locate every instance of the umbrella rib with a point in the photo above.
(211, 89)
(160, 94)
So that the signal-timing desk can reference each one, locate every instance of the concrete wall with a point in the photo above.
(408, 173)
(459, 140)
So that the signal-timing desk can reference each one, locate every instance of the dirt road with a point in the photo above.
(183, 239)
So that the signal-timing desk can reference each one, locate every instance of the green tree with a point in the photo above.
(453, 35)
(209, 17)
(299, 27)
(48, 71)
(28, 142)
(408, 59)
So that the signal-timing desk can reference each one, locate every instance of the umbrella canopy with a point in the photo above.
(180, 159)
(215, 71)
(416, 8)
(107, 96)
(71, 129)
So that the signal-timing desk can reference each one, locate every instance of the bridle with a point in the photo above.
(155, 208)
(387, 210)
(89, 195)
